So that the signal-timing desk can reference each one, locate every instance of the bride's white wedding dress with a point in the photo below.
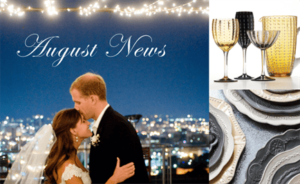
(72, 170)
(28, 165)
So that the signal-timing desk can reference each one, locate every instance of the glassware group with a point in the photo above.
(277, 42)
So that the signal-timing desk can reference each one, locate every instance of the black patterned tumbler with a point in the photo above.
(246, 22)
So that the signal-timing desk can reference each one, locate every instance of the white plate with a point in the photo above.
(276, 97)
(228, 171)
(225, 124)
(256, 115)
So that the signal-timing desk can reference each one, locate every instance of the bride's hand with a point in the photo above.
(124, 172)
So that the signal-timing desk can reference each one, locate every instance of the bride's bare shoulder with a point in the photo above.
(67, 163)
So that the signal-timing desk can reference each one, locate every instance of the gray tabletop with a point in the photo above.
(257, 135)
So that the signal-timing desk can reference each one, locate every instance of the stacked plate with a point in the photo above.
(275, 107)
(278, 162)
(227, 142)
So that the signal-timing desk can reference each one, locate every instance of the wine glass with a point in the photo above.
(225, 34)
(246, 23)
(263, 40)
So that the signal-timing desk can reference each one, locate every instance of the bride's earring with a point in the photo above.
(76, 139)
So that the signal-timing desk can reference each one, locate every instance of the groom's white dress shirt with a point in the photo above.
(97, 122)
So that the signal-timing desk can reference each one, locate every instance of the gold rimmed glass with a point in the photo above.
(225, 34)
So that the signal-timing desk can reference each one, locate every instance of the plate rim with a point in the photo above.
(290, 170)
(276, 97)
(228, 134)
(235, 99)
(290, 154)
(228, 171)
(222, 144)
(297, 176)
(268, 107)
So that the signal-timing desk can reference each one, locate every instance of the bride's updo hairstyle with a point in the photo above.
(63, 148)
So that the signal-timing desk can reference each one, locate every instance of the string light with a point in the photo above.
(89, 9)
(15, 11)
(3, 3)
(50, 7)
(158, 6)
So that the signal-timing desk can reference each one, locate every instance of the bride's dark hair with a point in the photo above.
(63, 148)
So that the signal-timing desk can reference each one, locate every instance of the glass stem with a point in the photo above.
(263, 62)
(244, 59)
(225, 64)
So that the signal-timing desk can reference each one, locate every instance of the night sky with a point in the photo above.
(175, 84)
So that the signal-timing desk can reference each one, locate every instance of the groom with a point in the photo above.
(117, 136)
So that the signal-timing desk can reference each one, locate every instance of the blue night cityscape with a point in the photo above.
(163, 93)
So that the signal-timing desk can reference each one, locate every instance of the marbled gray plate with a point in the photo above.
(286, 141)
(216, 140)
(268, 106)
(286, 173)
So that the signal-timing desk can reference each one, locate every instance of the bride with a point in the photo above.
(56, 146)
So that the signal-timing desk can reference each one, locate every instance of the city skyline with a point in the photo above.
(143, 117)
(165, 130)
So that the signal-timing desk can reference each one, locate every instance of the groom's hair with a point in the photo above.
(90, 84)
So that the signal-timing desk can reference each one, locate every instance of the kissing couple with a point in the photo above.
(116, 154)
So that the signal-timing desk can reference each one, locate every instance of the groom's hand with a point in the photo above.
(124, 172)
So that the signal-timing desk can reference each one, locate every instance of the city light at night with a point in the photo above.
(178, 143)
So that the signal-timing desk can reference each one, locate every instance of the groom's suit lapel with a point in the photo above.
(105, 119)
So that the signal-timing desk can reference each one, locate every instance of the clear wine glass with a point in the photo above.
(263, 40)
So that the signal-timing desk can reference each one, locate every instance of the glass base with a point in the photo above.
(279, 75)
(263, 78)
(244, 77)
(225, 80)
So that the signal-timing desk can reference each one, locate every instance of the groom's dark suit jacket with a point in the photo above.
(118, 138)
